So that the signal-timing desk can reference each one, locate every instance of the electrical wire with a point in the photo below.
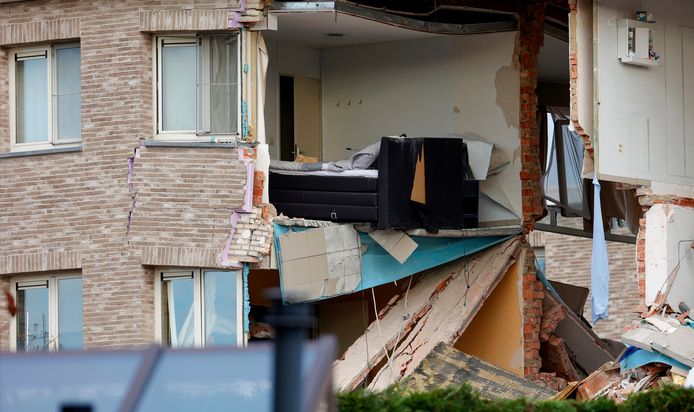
(380, 334)
(405, 316)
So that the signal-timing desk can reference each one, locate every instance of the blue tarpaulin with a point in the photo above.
(378, 267)
(638, 357)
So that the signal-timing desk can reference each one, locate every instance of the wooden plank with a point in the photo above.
(450, 313)
(404, 321)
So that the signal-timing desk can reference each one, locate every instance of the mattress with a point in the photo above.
(308, 181)
(372, 173)
(321, 195)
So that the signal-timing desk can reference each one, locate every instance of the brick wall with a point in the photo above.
(80, 202)
(568, 258)
(530, 38)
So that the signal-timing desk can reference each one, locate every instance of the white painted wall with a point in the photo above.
(290, 60)
(646, 114)
(425, 87)
(666, 225)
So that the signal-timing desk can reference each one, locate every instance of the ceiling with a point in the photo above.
(311, 29)
(553, 62)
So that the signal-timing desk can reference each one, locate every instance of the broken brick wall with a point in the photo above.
(69, 211)
(533, 293)
(530, 38)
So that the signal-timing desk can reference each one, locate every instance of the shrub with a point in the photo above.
(463, 398)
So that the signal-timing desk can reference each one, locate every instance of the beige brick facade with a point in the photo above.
(63, 211)
(568, 259)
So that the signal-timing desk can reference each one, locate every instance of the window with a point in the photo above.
(45, 100)
(49, 313)
(199, 308)
(562, 182)
(198, 91)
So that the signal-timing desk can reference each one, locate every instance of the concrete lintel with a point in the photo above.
(54, 150)
(40, 262)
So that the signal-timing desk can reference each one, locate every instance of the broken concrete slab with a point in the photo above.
(675, 341)
(410, 328)
(588, 350)
(445, 366)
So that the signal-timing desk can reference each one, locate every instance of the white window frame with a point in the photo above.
(53, 305)
(52, 140)
(189, 135)
(198, 302)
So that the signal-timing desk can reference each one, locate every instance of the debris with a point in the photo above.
(445, 366)
(453, 292)
(660, 335)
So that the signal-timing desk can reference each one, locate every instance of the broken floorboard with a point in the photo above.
(446, 366)
(437, 309)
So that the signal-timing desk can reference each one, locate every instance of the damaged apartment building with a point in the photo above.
(164, 164)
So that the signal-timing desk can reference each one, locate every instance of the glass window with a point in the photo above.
(178, 317)
(67, 93)
(218, 84)
(70, 313)
(47, 107)
(221, 308)
(178, 86)
(31, 83)
(201, 308)
(32, 318)
(49, 313)
(198, 85)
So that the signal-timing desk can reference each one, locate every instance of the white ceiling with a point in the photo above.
(553, 62)
(311, 29)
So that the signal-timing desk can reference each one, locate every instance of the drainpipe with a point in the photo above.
(292, 323)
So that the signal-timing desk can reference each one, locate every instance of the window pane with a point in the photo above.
(32, 320)
(178, 87)
(218, 85)
(178, 317)
(221, 308)
(70, 313)
(68, 93)
(32, 100)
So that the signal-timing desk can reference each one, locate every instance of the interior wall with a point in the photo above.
(424, 87)
(289, 60)
(666, 226)
(344, 319)
(496, 333)
(645, 125)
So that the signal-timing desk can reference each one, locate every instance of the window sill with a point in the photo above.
(40, 152)
(170, 143)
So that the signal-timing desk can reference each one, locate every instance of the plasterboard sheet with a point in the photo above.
(395, 242)
(320, 263)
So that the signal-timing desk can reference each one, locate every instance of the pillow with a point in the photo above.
(366, 157)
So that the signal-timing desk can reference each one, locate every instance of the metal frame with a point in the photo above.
(197, 275)
(553, 227)
(393, 19)
(191, 135)
(51, 283)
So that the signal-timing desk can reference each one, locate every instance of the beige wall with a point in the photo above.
(496, 333)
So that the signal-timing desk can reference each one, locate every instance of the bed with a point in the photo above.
(381, 194)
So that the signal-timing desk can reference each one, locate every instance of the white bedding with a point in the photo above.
(347, 173)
